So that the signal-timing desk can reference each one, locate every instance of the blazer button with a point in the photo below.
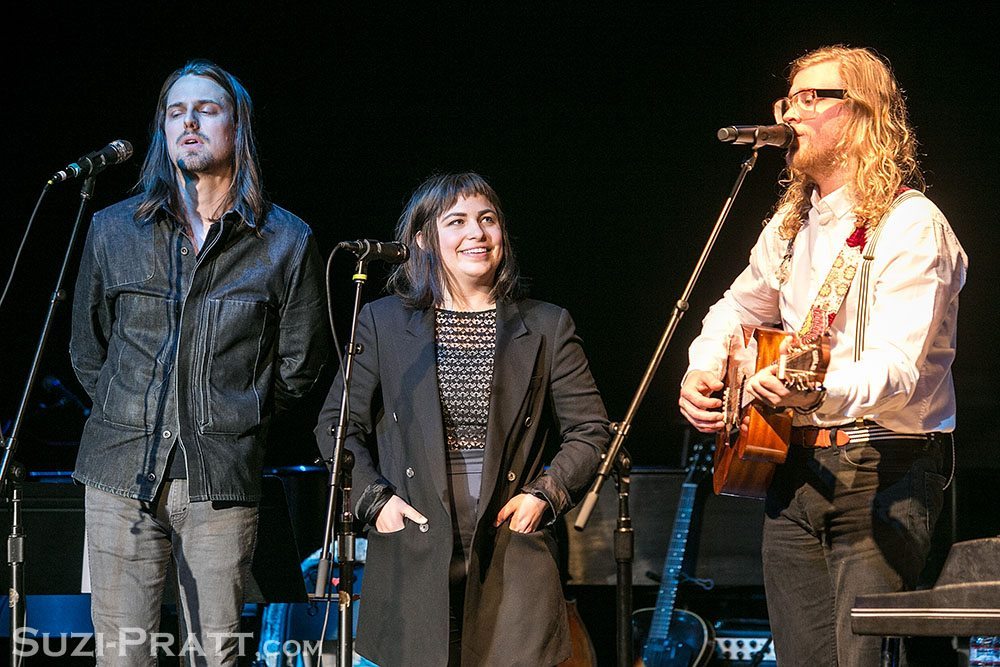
(511, 476)
(184, 250)
(424, 528)
(409, 472)
(151, 477)
(166, 435)
(528, 422)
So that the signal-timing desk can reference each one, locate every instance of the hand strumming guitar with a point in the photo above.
(765, 385)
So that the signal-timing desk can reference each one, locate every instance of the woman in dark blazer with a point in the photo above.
(474, 423)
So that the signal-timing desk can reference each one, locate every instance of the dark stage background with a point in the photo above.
(594, 121)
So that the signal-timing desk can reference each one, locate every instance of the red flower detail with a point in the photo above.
(857, 238)
(830, 317)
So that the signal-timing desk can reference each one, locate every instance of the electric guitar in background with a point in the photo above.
(673, 637)
(745, 462)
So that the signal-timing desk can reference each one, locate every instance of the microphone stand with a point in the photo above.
(14, 473)
(345, 566)
(340, 466)
(624, 546)
(621, 429)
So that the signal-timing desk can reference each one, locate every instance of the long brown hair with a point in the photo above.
(421, 282)
(158, 180)
(878, 145)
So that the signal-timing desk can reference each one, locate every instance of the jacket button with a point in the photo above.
(528, 422)
(511, 476)
(151, 477)
(409, 472)
(424, 528)
(184, 250)
(167, 434)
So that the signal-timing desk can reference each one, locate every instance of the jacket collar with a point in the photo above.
(239, 214)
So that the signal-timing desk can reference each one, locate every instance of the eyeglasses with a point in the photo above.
(805, 101)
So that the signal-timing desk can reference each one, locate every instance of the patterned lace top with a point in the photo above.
(466, 344)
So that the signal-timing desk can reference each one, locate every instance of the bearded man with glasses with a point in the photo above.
(855, 252)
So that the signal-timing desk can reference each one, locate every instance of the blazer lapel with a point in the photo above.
(513, 363)
(427, 398)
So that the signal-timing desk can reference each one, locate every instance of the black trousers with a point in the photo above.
(841, 522)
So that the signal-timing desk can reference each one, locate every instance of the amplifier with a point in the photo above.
(743, 642)
(52, 517)
(723, 543)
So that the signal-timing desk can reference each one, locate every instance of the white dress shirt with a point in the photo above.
(903, 379)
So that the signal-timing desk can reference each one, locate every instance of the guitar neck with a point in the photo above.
(660, 625)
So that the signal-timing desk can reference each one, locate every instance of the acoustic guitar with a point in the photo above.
(745, 462)
(672, 637)
(583, 654)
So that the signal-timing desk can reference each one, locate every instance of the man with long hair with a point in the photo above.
(198, 314)
(855, 252)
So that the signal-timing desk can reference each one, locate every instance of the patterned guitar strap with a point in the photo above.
(831, 294)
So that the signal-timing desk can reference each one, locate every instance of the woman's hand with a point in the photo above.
(525, 512)
(390, 517)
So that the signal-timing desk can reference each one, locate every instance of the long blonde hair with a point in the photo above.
(878, 145)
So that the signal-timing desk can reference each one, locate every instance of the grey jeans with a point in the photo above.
(842, 522)
(130, 543)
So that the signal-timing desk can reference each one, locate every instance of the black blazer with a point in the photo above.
(514, 609)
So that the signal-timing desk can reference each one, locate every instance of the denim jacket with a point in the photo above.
(202, 347)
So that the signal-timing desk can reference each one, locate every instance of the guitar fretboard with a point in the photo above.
(659, 628)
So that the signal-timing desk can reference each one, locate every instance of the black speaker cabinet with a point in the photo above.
(723, 543)
(725, 535)
(52, 521)
(52, 518)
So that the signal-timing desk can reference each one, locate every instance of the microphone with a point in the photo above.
(94, 163)
(779, 136)
(392, 252)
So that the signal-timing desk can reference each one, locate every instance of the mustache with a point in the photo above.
(184, 136)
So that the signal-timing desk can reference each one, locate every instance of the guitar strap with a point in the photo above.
(831, 293)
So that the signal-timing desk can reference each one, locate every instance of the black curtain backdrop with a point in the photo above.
(594, 121)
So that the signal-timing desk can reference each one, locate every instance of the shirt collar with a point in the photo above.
(233, 216)
(835, 206)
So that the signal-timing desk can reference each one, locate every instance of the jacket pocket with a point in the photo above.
(237, 366)
(139, 361)
(128, 262)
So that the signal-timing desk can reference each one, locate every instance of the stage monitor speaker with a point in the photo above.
(724, 544)
(52, 517)
(52, 521)
(724, 541)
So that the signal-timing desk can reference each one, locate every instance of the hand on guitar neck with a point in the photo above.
(775, 385)
(766, 376)
(698, 403)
